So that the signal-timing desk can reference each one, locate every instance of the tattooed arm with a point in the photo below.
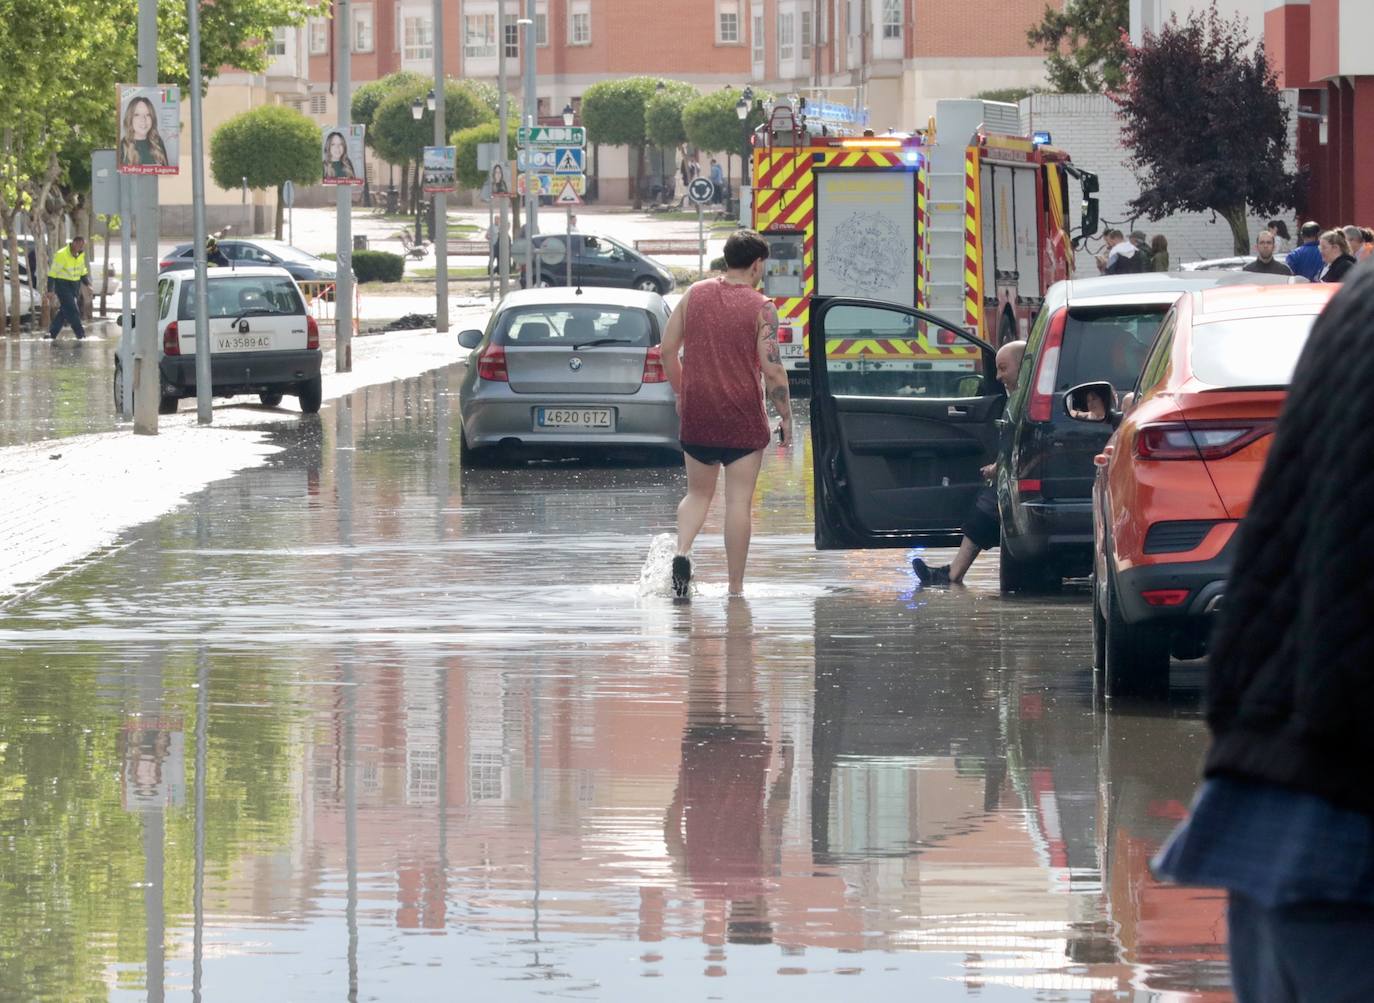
(774, 375)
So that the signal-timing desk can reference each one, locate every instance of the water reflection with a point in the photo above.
(435, 744)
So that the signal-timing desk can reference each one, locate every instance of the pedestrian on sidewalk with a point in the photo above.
(1120, 258)
(1141, 242)
(718, 180)
(1306, 260)
(1159, 253)
(1283, 242)
(1336, 257)
(1284, 820)
(727, 334)
(66, 275)
(983, 526)
(1265, 263)
(1354, 236)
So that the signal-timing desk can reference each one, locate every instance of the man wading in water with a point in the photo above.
(727, 332)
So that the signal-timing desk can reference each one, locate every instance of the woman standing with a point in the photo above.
(1283, 243)
(1335, 251)
(141, 145)
(1159, 253)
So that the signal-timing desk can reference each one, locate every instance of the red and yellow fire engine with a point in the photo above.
(966, 219)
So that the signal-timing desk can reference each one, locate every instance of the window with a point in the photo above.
(915, 336)
(892, 18)
(512, 40)
(541, 28)
(806, 34)
(1256, 352)
(479, 36)
(362, 27)
(787, 39)
(580, 22)
(727, 22)
(418, 32)
(319, 104)
(277, 47)
(319, 35)
(756, 37)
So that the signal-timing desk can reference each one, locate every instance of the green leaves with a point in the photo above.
(663, 114)
(466, 142)
(613, 110)
(399, 137)
(1085, 45)
(713, 124)
(269, 146)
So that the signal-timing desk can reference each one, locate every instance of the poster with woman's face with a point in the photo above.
(342, 153)
(149, 129)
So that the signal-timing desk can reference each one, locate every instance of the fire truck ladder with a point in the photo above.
(945, 247)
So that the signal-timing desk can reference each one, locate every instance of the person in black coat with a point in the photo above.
(1285, 817)
(1336, 253)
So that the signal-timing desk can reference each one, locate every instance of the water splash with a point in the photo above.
(656, 576)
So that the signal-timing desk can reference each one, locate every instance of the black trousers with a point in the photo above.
(68, 309)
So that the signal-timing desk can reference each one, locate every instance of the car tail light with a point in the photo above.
(1176, 440)
(171, 340)
(1027, 486)
(1165, 597)
(491, 366)
(1047, 370)
(165, 264)
(653, 366)
(312, 333)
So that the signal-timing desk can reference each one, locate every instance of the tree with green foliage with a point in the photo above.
(614, 113)
(400, 138)
(366, 97)
(1206, 125)
(1085, 45)
(663, 114)
(466, 141)
(713, 124)
(269, 146)
(1009, 95)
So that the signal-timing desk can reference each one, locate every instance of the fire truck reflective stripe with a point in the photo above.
(922, 237)
(973, 283)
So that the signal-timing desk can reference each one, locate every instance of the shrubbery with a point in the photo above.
(378, 266)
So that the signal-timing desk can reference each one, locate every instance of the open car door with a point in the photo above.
(903, 416)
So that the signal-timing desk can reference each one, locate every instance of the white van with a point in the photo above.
(262, 340)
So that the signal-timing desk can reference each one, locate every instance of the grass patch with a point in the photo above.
(453, 273)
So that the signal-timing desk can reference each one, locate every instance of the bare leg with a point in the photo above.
(963, 560)
(691, 511)
(741, 477)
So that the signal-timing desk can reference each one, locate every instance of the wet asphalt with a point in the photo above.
(359, 724)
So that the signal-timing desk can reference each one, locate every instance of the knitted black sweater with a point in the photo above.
(1291, 686)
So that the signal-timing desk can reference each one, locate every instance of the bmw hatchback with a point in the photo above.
(559, 372)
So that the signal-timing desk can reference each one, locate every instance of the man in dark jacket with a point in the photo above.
(1306, 260)
(1265, 263)
(1285, 818)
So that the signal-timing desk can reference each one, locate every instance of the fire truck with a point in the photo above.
(966, 219)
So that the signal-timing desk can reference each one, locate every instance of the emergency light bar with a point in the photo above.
(1041, 138)
(872, 143)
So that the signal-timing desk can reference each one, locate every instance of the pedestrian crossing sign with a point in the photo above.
(569, 163)
(568, 196)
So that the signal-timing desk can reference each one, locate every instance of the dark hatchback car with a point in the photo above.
(898, 446)
(596, 261)
(1095, 329)
(303, 266)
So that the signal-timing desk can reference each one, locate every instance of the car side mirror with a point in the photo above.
(469, 339)
(1094, 403)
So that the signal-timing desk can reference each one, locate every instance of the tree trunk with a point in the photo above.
(639, 173)
(15, 306)
(405, 185)
(1240, 232)
(281, 210)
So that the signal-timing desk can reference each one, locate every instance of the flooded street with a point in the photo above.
(358, 724)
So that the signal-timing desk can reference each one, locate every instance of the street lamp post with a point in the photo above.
(743, 108)
(417, 111)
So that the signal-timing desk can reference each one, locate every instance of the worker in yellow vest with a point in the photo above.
(65, 276)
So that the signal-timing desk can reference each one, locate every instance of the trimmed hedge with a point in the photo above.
(378, 266)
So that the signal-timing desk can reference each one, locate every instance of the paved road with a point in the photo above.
(359, 724)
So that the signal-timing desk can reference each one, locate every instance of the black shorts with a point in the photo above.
(711, 455)
(983, 526)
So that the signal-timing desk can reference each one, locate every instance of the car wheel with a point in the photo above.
(1026, 576)
(1135, 656)
(119, 386)
(270, 398)
(168, 405)
(1099, 626)
(476, 459)
(310, 393)
(649, 284)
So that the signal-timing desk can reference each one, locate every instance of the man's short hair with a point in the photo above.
(743, 248)
(1264, 235)
(1139, 235)
(1311, 231)
(1113, 233)
(1354, 234)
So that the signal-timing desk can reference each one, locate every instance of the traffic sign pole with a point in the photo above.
(701, 242)
(570, 247)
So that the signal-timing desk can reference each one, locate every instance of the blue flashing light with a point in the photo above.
(912, 156)
(1041, 138)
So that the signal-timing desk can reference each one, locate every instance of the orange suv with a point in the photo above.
(1178, 474)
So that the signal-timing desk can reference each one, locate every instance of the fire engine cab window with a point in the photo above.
(874, 352)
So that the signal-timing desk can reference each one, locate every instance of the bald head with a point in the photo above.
(1009, 363)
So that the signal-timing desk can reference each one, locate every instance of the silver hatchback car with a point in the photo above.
(561, 371)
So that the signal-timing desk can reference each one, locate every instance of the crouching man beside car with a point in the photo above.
(983, 529)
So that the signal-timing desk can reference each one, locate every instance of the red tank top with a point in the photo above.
(722, 389)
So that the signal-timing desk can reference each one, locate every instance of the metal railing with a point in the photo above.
(319, 300)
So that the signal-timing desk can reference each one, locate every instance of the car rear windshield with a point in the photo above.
(1253, 352)
(544, 326)
(1107, 345)
(232, 295)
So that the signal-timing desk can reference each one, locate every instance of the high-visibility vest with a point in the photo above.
(68, 266)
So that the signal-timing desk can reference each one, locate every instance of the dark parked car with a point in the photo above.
(303, 267)
(898, 444)
(1090, 330)
(596, 261)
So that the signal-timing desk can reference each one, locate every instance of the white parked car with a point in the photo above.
(262, 339)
